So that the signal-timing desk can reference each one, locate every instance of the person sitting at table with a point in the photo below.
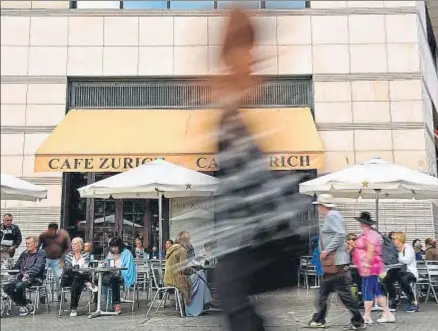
(73, 277)
(124, 259)
(405, 275)
(418, 248)
(31, 265)
(167, 245)
(140, 251)
(355, 276)
(205, 256)
(154, 253)
(367, 257)
(88, 247)
(431, 250)
(192, 284)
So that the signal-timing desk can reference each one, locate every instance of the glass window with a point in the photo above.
(145, 4)
(271, 4)
(251, 4)
(133, 219)
(191, 5)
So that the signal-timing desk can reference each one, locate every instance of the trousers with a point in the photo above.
(404, 278)
(76, 281)
(340, 284)
(16, 290)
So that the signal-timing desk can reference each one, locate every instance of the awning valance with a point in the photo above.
(118, 140)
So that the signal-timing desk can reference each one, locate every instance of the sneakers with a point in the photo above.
(316, 325)
(23, 311)
(73, 313)
(393, 307)
(386, 319)
(118, 308)
(413, 309)
(354, 327)
(376, 308)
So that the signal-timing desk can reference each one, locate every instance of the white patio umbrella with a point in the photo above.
(153, 181)
(13, 188)
(375, 179)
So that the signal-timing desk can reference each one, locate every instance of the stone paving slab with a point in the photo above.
(281, 310)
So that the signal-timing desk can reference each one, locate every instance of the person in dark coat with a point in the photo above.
(32, 264)
(10, 237)
(255, 230)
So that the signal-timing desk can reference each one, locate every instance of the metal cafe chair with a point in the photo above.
(423, 279)
(432, 269)
(64, 291)
(156, 272)
(38, 292)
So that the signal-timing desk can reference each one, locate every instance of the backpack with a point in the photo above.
(389, 251)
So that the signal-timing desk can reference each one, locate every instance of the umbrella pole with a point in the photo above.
(377, 208)
(160, 223)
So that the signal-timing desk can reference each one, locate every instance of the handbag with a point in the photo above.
(329, 264)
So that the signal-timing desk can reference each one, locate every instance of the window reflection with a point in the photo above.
(271, 4)
(145, 4)
(192, 5)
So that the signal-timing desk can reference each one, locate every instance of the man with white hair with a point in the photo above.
(335, 260)
(31, 263)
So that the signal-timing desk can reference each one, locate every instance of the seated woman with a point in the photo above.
(190, 283)
(75, 278)
(404, 276)
(122, 258)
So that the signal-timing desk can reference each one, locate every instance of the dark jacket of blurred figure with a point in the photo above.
(256, 237)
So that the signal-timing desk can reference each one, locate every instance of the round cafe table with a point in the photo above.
(100, 271)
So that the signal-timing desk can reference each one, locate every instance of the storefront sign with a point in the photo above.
(196, 162)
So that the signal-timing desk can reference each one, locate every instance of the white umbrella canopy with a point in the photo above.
(13, 188)
(150, 180)
(194, 214)
(153, 180)
(375, 178)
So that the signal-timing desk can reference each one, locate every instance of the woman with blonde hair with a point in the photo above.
(405, 275)
(190, 283)
(73, 277)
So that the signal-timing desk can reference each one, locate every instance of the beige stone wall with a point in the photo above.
(366, 65)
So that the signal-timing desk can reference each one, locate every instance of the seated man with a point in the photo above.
(405, 275)
(31, 264)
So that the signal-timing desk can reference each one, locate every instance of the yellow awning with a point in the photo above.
(117, 140)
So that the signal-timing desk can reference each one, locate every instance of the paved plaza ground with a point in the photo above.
(281, 310)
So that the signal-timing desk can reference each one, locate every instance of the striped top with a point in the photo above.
(83, 261)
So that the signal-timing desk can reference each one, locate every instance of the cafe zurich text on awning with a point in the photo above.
(119, 140)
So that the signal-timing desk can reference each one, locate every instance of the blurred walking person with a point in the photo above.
(55, 242)
(335, 260)
(254, 232)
